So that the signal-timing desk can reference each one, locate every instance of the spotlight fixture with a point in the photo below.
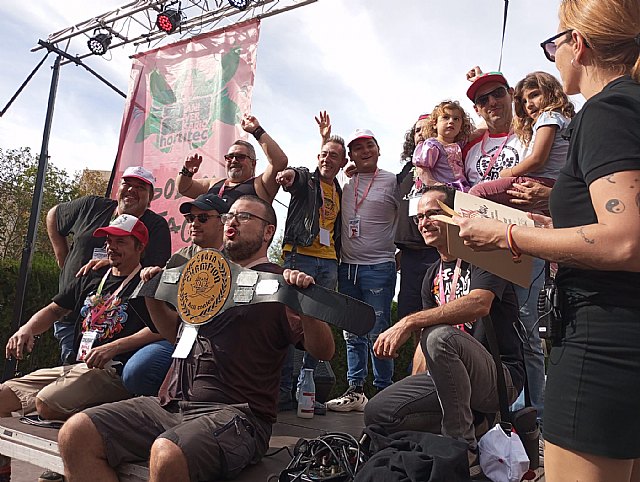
(99, 43)
(239, 4)
(169, 20)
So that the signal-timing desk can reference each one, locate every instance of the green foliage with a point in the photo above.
(274, 253)
(42, 286)
(18, 170)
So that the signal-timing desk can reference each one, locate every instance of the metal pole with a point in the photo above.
(36, 205)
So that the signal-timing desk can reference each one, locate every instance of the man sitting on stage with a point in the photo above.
(217, 405)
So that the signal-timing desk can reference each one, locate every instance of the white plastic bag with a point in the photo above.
(502, 457)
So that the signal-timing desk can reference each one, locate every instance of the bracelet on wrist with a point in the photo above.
(186, 172)
(257, 134)
(516, 255)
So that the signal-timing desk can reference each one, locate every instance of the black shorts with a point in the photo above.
(593, 380)
(218, 440)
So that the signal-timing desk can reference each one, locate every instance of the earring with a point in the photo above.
(574, 66)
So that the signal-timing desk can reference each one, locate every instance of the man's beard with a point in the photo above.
(242, 249)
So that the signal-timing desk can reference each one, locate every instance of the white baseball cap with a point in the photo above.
(361, 134)
(141, 173)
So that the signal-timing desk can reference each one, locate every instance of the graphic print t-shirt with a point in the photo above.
(118, 319)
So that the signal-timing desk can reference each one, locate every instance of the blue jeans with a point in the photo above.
(325, 274)
(65, 334)
(532, 347)
(144, 372)
(375, 285)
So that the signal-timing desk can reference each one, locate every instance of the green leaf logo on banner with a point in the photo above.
(188, 111)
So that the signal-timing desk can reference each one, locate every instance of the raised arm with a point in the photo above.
(58, 241)
(277, 160)
(324, 126)
(187, 185)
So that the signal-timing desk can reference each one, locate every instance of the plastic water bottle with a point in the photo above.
(307, 398)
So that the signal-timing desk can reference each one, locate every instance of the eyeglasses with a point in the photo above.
(239, 157)
(242, 218)
(420, 216)
(549, 47)
(202, 217)
(497, 93)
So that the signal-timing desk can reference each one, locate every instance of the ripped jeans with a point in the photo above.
(375, 285)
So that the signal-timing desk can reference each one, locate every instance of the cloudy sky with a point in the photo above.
(370, 63)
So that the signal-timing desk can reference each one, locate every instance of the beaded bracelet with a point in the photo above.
(511, 244)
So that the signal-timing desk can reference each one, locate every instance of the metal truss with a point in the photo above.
(135, 23)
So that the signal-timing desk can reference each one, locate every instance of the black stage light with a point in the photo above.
(99, 43)
(169, 20)
(239, 4)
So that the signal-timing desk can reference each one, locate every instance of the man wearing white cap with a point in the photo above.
(82, 216)
(367, 270)
(109, 330)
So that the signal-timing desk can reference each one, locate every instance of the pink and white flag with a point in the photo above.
(184, 98)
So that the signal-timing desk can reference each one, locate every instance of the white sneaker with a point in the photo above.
(350, 401)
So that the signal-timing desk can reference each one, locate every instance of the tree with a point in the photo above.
(18, 170)
(275, 249)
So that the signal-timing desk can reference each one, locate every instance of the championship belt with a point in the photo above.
(209, 284)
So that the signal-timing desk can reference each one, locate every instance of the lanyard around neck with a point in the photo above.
(493, 157)
(106, 302)
(366, 191)
(454, 284)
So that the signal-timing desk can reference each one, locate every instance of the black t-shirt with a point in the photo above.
(230, 194)
(504, 309)
(604, 139)
(237, 357)
(120, 319)
(82, 216)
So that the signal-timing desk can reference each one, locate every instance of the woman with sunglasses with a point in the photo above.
(592, 418)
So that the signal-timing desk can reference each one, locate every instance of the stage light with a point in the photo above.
(169, 20)
(99, 43)
(239, 4)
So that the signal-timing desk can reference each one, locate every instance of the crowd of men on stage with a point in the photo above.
(208, 413)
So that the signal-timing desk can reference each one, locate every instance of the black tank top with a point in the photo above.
(230, 194)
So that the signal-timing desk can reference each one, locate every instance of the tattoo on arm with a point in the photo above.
(615, 206)
(584, 236)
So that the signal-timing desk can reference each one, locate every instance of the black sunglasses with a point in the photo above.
(202, 217)
(240, 157)
(497, 93)
(549, 47)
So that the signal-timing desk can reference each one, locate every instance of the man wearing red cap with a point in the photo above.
(485, 157)
(109, 329)
(82, 216)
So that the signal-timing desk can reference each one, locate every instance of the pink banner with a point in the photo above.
(183, 98)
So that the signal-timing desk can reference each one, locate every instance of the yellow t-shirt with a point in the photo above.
(329, 212)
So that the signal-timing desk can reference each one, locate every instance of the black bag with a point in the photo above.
(413, 456)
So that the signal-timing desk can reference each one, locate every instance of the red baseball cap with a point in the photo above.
(483, 80)
(125, 225)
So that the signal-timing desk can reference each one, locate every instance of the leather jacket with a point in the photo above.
(303, 217)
